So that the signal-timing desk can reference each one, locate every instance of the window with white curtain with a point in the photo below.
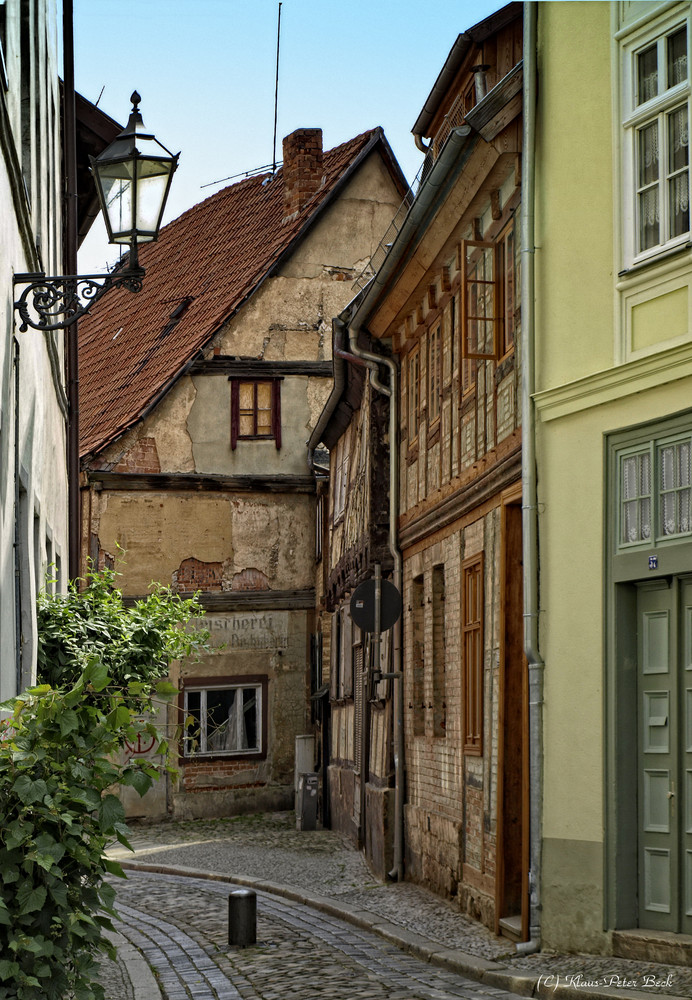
(224, 720)
(655, 491)
(656, 157)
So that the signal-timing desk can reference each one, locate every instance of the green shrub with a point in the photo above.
(60, 763)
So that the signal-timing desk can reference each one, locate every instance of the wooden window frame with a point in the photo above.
(435, 372)
(260, 682)
(275, 417)
(467, 317)
(340, 480)
(413, 406)
(319, 527)
(639, 114)
(507, 280)
(473, 656)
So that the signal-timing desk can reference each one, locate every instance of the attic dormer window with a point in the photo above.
(255, 411)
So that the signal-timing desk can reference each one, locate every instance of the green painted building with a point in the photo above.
(609, 387)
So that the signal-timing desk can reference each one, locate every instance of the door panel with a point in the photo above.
(664, 697)
(685, 782)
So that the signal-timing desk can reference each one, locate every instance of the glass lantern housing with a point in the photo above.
(133, 176)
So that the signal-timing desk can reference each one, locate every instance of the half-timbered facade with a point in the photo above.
(358, 759)
(446, 299)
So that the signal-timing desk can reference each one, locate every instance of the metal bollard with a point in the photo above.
(242, 918)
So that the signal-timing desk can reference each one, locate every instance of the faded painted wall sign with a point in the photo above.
(248, 630)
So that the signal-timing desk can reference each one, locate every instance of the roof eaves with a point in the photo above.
(472, 36)
(442, 84)
(433, 190)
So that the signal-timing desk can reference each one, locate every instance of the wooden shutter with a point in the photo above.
(347, 655)
(335, 656)
(235, 412)
(276, 412)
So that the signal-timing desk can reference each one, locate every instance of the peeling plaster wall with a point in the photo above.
(254, 543)
(167, 425)
(158, 532)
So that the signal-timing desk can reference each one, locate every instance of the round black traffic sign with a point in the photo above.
(363, 605)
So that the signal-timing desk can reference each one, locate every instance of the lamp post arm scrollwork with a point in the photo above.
(54, 303)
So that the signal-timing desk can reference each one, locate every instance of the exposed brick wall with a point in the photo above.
(451, 810)
(197, 775)
(303, 170)
(250, 579)
(142, 457)
(194, 574)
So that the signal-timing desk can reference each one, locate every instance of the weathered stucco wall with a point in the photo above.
(157, 533)
(33, 478)
(248, 550)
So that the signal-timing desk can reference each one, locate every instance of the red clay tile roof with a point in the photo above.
(131, 350)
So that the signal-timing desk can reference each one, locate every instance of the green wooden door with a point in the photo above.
(664, 644)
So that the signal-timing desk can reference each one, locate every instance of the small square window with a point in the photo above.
(226, 720)
(255, 410)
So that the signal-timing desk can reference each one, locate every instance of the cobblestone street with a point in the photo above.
(178, 923)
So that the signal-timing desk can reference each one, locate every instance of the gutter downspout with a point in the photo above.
(529, 480)
(391, 391)
(17, 528)
(339, 381)
(74, 509)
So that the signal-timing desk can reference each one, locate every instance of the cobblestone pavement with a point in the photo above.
(269, 848)
(181, 927)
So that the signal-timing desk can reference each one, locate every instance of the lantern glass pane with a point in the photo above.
(117, 190)
(152, 184)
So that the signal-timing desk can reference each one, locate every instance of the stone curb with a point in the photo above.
(144, 984)
(482, 970)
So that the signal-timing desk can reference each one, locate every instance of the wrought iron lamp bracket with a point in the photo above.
(61, 300)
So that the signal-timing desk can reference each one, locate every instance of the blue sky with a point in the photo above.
(206, 70)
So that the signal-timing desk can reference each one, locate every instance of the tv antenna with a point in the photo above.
(276, 88)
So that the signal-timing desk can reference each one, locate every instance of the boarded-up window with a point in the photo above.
(472, 638)
(255, 410)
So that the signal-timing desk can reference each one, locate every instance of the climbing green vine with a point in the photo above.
(100, 671)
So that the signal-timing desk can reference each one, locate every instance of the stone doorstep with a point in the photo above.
(663, 947)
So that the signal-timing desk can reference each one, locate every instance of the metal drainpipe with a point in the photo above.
(529, 480)
(17, 529)
(74, 516)
(391, 391)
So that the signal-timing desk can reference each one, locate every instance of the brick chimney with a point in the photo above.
(302, 171)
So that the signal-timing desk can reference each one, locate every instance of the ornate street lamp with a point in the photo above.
(133, 176)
